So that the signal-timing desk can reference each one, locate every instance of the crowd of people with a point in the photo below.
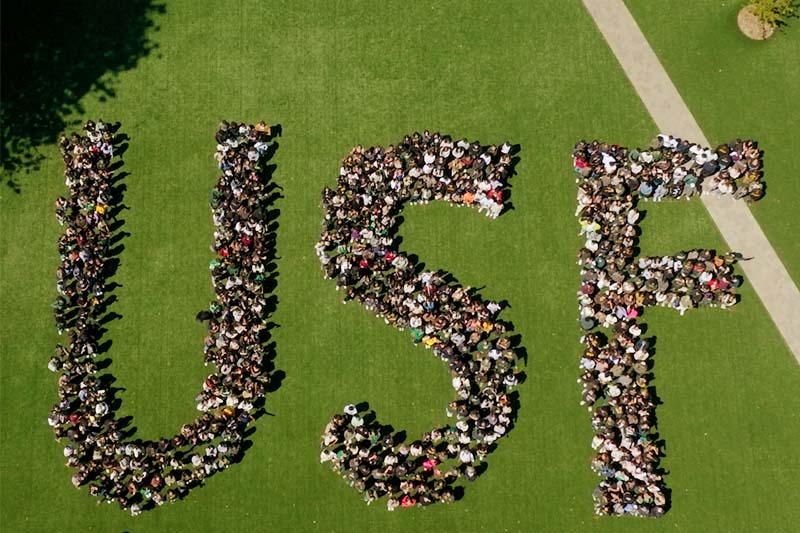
(136, 474)
(357, 248)
(675, 168)
(616, 286)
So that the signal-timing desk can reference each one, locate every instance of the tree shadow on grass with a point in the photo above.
(54, 53)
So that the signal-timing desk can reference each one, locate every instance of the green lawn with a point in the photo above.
(334, 74)
(736, 87)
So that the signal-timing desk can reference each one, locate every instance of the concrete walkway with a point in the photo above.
(739, 228)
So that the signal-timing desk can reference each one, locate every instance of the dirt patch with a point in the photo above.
(751, 26)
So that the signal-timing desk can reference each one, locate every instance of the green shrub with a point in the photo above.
(775, 12)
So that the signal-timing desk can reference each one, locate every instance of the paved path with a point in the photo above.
(739, 228)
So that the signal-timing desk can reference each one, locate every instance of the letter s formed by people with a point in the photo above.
(358, 250)
(139, 475)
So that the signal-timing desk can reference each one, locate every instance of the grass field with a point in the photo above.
(736, 87)
(334, 74)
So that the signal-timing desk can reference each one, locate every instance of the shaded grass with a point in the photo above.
(58, 52)
(335, 74)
